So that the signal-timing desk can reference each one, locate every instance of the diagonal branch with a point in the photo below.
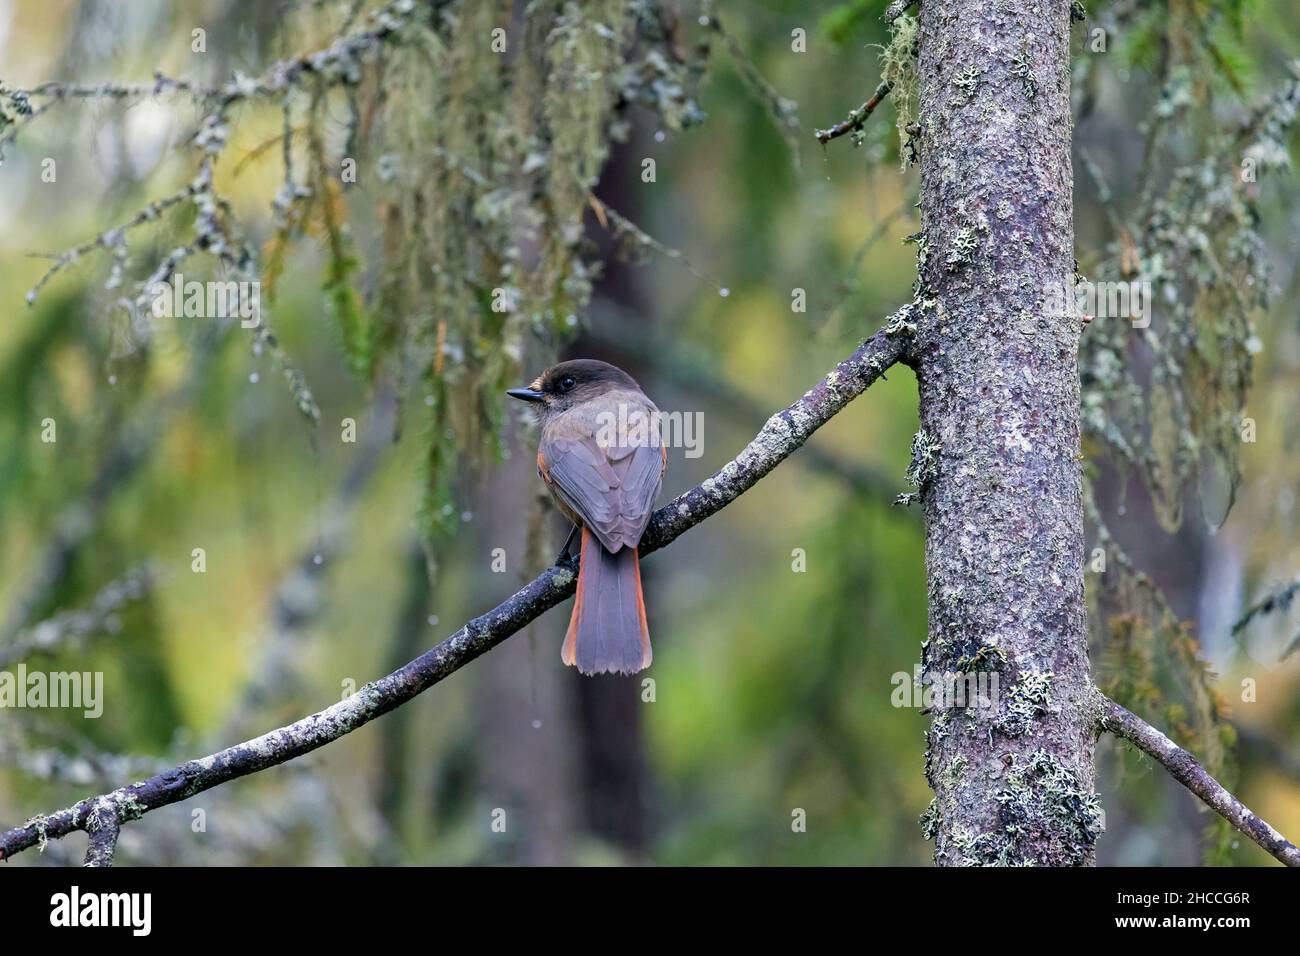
(1184, 768)
(782, 434)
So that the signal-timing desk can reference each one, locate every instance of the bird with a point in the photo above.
(602, 457)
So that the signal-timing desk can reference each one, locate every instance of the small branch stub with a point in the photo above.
(103, 826)
(897, 9)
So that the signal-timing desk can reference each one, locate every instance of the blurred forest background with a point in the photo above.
(329, 563)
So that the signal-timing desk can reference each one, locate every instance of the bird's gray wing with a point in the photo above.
(642, 472)
(612, 490)
(579, 472)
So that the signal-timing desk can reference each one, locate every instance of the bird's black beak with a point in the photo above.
(525, 394)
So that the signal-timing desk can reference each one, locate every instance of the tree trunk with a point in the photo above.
(997, 459)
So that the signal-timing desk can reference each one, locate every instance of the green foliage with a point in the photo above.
(341, 296)
(1205, 33)
(844, 20)
(29, 393)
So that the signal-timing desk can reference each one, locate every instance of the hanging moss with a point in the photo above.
(898, 69)
(489, 154)
(1194, 248)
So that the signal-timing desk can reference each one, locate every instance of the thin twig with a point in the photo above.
(626, 229)
(385, 24)
(783, 111)
(856, 119)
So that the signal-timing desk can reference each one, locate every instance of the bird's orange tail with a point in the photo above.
(608, 632)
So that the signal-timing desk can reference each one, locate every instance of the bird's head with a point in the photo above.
(570, 383)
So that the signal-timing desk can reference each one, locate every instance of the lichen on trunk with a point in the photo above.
(999, 394)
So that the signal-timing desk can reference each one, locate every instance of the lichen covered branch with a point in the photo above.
(1187, 771)
(18, 107)
(782, 434)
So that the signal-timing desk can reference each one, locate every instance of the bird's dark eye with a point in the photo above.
(566, 384)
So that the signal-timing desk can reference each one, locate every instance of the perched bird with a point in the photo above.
(602, 458)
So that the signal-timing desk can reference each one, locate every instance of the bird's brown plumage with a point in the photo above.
(604, 472)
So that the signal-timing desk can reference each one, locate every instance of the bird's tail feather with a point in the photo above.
(608, 631)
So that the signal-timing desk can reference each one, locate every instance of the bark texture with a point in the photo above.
(997, 459)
